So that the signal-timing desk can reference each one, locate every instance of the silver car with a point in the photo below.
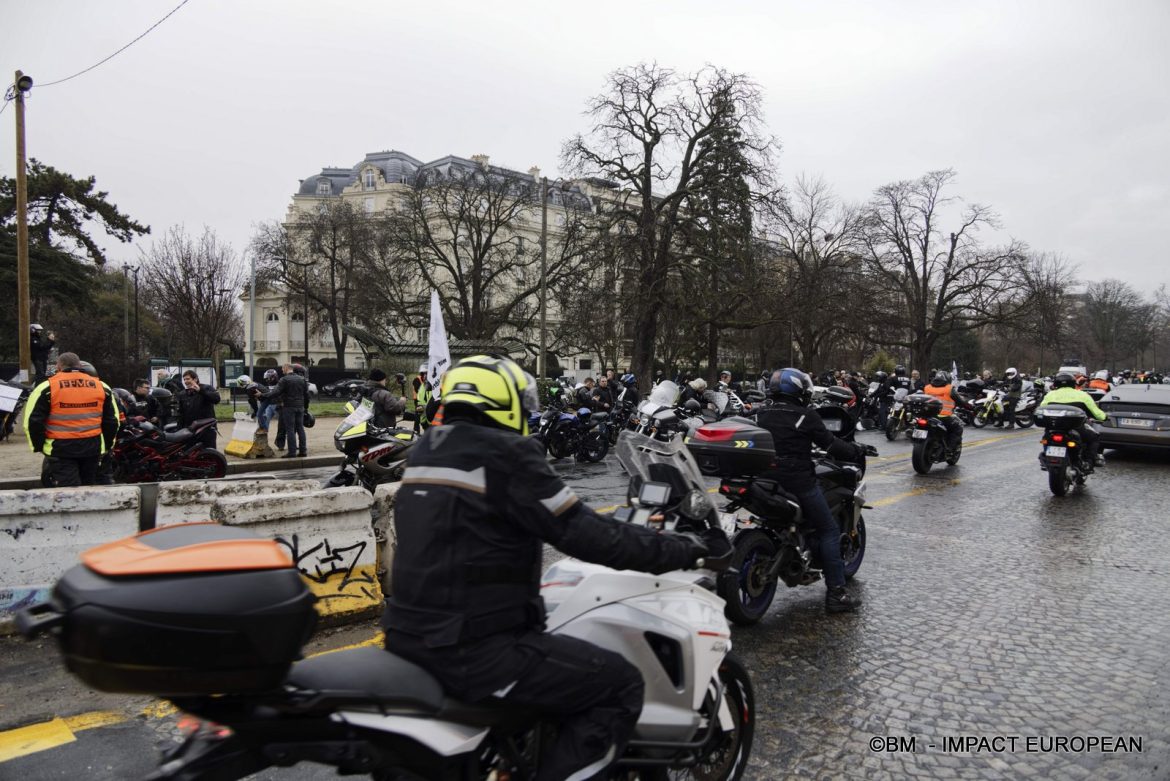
(1139, 416)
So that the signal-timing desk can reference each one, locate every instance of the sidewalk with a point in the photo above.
(16, 460)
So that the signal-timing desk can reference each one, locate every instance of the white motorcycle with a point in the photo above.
(367, 711)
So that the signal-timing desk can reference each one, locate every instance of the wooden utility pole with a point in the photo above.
(21, 85)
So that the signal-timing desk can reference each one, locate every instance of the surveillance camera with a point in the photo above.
(24, 83)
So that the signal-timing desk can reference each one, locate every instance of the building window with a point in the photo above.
(585, 364)
(273, 317)
(297, 317)
(324, 187)
(368, 179)
(368, 205)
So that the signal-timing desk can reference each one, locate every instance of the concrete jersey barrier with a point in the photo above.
(329, 536)
(191, 500)
(43, 532)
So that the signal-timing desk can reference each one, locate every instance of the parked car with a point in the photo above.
(1139, 416)
(343, 389)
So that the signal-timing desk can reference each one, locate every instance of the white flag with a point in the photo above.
(954, 371)
(439, 357)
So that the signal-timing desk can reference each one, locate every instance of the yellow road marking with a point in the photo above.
(93, 719)
(33, 738)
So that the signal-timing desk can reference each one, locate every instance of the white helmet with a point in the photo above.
(1101, 375)
(243, 381)
(422, 369)
(698, 384)
(1011, 372)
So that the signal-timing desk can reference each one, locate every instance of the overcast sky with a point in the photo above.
(1055, 113)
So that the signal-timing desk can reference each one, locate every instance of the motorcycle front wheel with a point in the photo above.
(892, 429)
(560, 445)
(853, 549)
(979, 419)
(593, 448)
(953, 458)
(745, 586)
(725, 756)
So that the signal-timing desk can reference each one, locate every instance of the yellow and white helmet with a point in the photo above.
(494, 385)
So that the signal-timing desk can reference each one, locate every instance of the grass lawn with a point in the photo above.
(320, 409)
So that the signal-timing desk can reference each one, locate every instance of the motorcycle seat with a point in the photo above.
(379, 679)
(182, 435)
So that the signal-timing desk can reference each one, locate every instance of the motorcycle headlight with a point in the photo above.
(696, 505)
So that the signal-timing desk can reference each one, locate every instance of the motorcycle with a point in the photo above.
(898, 420)
(582, 433)
(871, 411)
(365, 710)
(988, 408)
(1063, 454)
(16, 396)
(372, 455)
(144, 454)
(929, 434)
(774, 543)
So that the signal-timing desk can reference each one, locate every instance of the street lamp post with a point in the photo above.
(252, 318)
(540, 358)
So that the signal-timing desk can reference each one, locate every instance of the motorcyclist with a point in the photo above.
(1013, 384)
(884, 394)
(724, 384)
(144, 404)
(900, 380)
(1100, 381)
(422, 396)
(795, 428)
(1064, 391)
(695, 389)
(603, 397)
(630, 395)
(481, 492)
(941, 388)
(387, 406)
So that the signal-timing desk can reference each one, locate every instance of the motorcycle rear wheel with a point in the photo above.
(1025, 419)
(1058, 480)
(725, 756)
(204, 465)
(922, 456)
(743, 586)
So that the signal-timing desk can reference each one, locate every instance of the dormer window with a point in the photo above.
(324, 187)
(368, 179)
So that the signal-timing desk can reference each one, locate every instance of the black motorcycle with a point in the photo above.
(929, 434)
(774, 543)
(1063, 455)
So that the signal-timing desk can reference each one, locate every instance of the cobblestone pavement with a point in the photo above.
(993, 610)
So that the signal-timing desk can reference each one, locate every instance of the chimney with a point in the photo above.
(482, 160)
(534, 172)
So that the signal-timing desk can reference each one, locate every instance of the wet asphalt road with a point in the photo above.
(993, 610)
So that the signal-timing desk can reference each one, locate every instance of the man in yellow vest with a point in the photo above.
(72, 419)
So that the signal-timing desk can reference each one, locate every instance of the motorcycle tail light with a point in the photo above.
(921, 421)
(712, 434)
(1058, 437)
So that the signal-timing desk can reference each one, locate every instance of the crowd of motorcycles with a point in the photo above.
(368, 711)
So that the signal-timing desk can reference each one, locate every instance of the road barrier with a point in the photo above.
(384, 532)
(191, 500)
(330, 538)
(42, 533)
(248, 441)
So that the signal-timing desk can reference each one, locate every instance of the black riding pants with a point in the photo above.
(591, 695)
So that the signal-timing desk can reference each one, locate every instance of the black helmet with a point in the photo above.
(940, 379)
(1064, 380)
(899, 371)
(791, 383)
(880, 376)
(298, 369)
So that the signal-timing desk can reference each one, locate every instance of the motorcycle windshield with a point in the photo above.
(720, 400)
(359, 415)
(636, 452)
(901, 394)
(664, 394)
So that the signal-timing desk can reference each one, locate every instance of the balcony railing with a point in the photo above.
(266, 345)
(296, 344)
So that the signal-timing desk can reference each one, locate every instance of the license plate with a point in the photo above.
(1055, 451)
(919, 433)
(1136, 422)
(833, 425)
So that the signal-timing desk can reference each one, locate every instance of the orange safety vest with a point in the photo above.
(1100, 385)
(75, 406)
(943, 394)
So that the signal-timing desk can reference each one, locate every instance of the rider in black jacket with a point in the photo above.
(478, 500)
(795, 428)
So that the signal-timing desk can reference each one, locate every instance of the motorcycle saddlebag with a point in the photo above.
(189, 609)
(733, 447)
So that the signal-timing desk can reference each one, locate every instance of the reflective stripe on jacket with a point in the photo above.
(943, 394)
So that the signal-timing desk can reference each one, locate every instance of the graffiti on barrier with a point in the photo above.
(323, 561)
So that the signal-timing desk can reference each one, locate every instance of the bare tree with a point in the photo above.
(648, 136)
(317, 258)
(1115, 323)
(821, 241)
(466, 232)
(193, 285)
(943, 282)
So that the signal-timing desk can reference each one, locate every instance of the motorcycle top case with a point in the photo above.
(190, 609)
(1061, 417)
(732, 447)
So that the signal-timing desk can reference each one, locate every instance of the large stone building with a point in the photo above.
(382, 181)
